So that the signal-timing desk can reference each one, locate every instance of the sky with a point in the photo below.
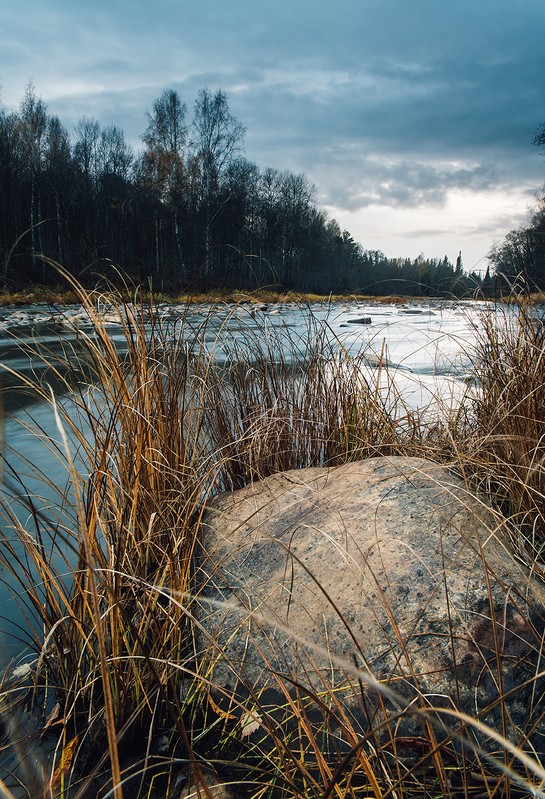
(414, 120)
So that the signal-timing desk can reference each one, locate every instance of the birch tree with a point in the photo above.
(217, 139)
(33, 121)
(163, 163)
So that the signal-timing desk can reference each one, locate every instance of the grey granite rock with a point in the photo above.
(390, 564)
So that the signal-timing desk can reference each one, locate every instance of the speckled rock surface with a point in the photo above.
(389, 564)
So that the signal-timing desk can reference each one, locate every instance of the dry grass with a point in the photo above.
(148, 432)
(61, 296)
(507, 447)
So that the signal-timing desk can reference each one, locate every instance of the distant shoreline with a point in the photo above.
(48, 296)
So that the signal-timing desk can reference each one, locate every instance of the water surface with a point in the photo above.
(427, 345)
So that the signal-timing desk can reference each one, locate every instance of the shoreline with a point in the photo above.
(45, 296)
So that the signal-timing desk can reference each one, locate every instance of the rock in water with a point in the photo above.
(390, 564)
(363, 320)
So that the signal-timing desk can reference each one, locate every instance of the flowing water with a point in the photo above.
(427, 346)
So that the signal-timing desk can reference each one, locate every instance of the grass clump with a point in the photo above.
(149, 431)
(508, 438)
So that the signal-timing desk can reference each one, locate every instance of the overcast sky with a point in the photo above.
(413, 119)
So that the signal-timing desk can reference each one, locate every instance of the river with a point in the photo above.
(427, 345)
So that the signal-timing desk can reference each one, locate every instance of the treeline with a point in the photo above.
(187, 211)
(519, 260)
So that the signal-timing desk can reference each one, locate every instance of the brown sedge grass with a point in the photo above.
(134, 518)
(166, 430)
(452, 760)
(509, 440)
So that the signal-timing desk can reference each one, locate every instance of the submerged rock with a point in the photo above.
(390, 565)
(416, 311)
(363, 320)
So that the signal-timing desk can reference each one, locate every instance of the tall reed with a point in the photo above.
(148, 431)
(114, 652)
(507, 441)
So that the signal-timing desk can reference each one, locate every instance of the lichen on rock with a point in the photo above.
(391, 565)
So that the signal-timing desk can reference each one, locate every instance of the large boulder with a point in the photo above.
(388, 569)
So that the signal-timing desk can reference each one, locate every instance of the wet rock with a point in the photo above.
(18, 318)
(416, 311)
(363, 320)
(378, 359)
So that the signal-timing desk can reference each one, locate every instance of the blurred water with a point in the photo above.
(427, 345)
(35, 487)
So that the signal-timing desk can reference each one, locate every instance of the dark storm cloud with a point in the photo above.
(479, 117)
(380, 102)
(413, 184)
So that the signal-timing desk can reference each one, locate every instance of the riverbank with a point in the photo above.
(167, 429)
(41, 295)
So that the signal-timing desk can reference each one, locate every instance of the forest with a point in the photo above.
(187, 211)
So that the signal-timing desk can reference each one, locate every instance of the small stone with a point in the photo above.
(216, 788)
(363, 320)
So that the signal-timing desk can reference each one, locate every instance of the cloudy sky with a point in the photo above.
(413, 119)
